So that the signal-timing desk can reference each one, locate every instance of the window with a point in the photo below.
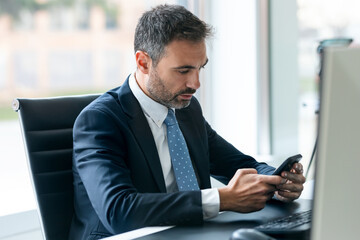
(319, 20)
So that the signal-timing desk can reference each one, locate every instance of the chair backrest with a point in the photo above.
(47, 125)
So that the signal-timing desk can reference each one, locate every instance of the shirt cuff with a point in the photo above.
(210, 202)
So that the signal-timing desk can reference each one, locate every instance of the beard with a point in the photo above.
(158, 91)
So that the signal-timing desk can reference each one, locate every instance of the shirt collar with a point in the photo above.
(156, 111)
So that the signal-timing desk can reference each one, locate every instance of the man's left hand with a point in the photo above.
(293, 187)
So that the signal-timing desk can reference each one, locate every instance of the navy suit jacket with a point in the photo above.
(118, 180)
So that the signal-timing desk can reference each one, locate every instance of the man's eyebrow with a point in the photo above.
(190, 66)
(184, 66)
(207, 60)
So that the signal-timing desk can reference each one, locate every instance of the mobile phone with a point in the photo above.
(287, 164)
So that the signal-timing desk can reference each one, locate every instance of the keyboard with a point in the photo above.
(293, 224)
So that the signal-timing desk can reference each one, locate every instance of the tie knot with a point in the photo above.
(170, 118)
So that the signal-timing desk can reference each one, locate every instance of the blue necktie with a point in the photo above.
(179, 153)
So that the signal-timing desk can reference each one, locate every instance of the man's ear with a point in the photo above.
(143, 61)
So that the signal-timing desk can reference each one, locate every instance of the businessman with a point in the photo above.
(143, 152)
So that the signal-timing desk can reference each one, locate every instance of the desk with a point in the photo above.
(222, 226)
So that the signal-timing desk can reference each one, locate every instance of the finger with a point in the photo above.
(294, 177)
(270, 189)
(298, 167)
(292, 187)
(240, 173)
(270, 195)
(244, 171)
(272, 179)
(289, 195)
(281, 198)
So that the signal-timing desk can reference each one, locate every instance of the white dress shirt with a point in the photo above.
(155, 114)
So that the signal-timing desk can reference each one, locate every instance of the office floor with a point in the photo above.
(20, 226)
(18, 218)
(15, 187)
(30, 235)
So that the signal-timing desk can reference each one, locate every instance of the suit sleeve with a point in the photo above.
(225, 159)
(101, 161)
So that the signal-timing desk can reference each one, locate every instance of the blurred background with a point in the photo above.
(263, 66)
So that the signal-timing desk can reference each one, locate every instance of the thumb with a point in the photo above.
(240, 173)
(273, 179)
(245, 171)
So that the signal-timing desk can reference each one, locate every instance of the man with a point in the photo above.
(126, 174)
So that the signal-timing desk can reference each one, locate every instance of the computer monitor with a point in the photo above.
(336, 210)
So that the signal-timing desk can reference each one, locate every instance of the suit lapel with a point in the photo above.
(143, 135)
(142, 132)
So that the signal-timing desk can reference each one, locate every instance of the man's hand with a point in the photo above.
(248, 191)
(293, 186)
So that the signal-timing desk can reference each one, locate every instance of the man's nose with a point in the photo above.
(194, 81)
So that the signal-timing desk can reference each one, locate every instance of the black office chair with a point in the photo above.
(47, 125)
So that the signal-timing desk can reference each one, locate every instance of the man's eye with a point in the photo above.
(183, 71)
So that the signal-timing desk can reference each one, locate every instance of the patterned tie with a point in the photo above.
(179, 153)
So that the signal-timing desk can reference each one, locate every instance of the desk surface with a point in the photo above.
(223, 225)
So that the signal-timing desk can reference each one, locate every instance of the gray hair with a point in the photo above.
(165, 23)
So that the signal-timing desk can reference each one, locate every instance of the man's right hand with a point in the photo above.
(248, 191)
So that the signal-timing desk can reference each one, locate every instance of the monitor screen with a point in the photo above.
(336, 211)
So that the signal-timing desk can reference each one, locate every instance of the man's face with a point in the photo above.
(176, 77)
